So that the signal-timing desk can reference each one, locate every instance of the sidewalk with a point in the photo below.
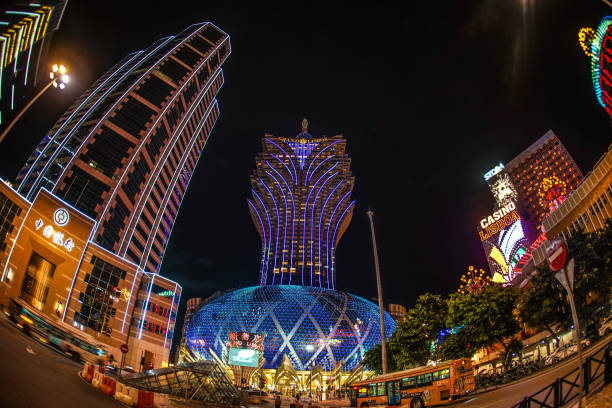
(603, 399)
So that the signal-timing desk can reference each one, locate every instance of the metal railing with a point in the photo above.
(597, 372)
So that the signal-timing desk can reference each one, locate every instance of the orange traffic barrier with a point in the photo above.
(108, 386)
(89, 374)
(145, 399)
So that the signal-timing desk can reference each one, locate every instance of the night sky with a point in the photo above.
(429, 98)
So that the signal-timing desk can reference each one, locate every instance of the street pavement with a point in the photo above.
(34, 375)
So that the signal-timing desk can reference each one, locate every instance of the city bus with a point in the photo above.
(417, 387)
(77, 346)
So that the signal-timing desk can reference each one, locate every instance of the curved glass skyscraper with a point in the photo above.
(124, 152)
(301, 205)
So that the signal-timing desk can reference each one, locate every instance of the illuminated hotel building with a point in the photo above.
(301, 205)
(26, 29)
(588, 207)
(526, 190)
(83, 232)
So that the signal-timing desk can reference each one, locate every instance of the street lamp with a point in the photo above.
(59, 79)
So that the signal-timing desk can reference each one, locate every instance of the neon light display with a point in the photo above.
(504, 241)
(601, 56)
(586, 35)
(550, 190)
(503, 190)
(308, 324)
(295, 208)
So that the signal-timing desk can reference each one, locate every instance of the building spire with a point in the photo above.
(304, 125)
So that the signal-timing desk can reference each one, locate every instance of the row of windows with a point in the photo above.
(8, 211)
(83, 191)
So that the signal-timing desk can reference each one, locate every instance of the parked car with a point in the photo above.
(606, 326)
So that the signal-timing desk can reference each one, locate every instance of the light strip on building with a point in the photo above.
(176, 135)
(307, 178)
(292, 217)
(340, 221)
(146, 305)
(68, 136)
(321, 219)
(284, 224)
(314, 205)
(32, 37)
(331, 220)
(170, 317)
(304, 221)
(263, 235)
(286, 155)
(277, 229)
(270, 235)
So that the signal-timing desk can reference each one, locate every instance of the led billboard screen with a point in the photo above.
(244, 357)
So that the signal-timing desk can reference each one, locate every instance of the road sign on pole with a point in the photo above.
(556, 255)
(124, 348)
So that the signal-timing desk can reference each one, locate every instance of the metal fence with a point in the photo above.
(597, 372)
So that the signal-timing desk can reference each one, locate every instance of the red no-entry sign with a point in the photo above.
(124, 348)
(556, 255)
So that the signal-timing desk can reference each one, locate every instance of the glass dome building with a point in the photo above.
(311, 325)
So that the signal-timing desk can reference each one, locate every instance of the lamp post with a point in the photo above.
(380, 299)
(59, 79)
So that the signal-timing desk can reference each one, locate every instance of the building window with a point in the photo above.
(97, 301)
(8, 211)
(36, 282)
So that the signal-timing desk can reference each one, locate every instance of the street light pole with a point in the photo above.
(380, 298)
(25, 108)
(58, 78)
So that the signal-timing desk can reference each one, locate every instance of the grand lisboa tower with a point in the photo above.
(301, 206)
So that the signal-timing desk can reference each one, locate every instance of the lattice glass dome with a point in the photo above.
(308, 324)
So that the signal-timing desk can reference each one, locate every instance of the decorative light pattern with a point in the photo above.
(601, 33)
(503, 190)
(297, 209)
(551, 189)
(308, 324)
(473, 280)
(586, 36)
(504, 250)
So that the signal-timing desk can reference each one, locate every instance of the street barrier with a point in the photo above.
(126, 395)
(88, 372)
(145, 399)
(108, 386)
(564, 390)
(97, 379)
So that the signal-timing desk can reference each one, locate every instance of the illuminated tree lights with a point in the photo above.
(551, 189)
(473, 280)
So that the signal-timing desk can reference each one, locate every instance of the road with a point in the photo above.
(509, 395)
(34, 375)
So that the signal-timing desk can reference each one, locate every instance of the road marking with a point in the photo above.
(29, 350)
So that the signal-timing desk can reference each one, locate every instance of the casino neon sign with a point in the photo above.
(498, 221)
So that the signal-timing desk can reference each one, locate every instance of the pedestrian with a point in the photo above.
(277, 401)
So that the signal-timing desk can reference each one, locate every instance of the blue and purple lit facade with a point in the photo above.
(301, 205)
(124, 152)
(313, 326)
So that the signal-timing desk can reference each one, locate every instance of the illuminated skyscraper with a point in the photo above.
(124, 152)
(25, 34)
(301, 205)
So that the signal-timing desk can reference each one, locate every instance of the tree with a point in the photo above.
(417, 331)
(486, 315)
(543, 303)
(373, 359)
(592, 253)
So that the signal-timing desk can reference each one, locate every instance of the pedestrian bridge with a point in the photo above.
(205, 380)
